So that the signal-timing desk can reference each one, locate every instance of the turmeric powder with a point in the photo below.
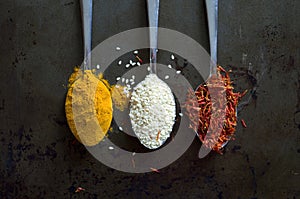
(88, 107)
(119, 97)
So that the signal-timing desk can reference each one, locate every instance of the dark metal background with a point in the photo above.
(40, 43)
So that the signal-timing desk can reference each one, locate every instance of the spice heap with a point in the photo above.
(88, 106)
(152, 111)
(120, 96)
(203, 108)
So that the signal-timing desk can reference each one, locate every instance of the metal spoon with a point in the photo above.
(212, 14)
(86, 15)
(153, 9)
(146, 140)
(85, 124)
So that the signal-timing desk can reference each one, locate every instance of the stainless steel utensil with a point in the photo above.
(86, 15)
(153, 10)
(212, 14)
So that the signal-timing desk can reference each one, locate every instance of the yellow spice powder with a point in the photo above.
(88, 107)
(120, 99)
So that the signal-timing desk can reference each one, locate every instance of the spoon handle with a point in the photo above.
(153, 10)
(86, 15)
(212, 15)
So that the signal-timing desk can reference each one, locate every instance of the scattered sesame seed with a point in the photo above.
(135, 52)
(120, 62)
(138, 63)
(118, 48)
(133, 63)
(111, 148)
(118, 78)
(132, 83)
(133, 153)
(126, 81)
(167, 77)
(178, 72)
(127, 65)
(169, 66)
(172, 57)
(148, 68)
(98, 66)
(180, 114)
(133, 76)
(130, 61)
(123, 80)
(120, 128)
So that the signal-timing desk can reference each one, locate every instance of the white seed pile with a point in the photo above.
(152, 111)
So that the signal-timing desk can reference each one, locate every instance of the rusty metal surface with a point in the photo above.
(41, 43)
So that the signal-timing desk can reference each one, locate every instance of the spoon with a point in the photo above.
(212, 14)
(152, 99)
(88, 103)
(86, 15)
(153, 9)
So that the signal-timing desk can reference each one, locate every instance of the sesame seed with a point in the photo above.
(127, 65)
(111, 148)
(172, 57)
(120, 62)
(180, 114)
(167, 77)
(135, 52)
(123, 80)
(118, 78)
(148, 68)
(126, 81)
(138, 63)
(178, 72)
(120, 128)
(98, 66)
(130, 61)
(169, 66)
(118, 48)
(133, 63)
(144, 118)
